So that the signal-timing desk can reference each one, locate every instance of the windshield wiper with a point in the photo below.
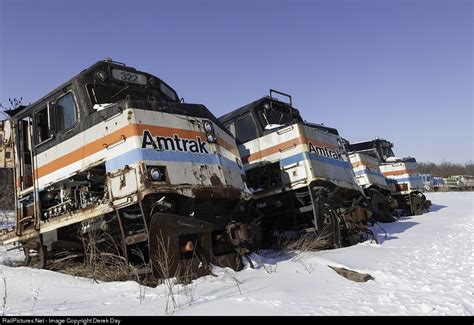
(118, 92)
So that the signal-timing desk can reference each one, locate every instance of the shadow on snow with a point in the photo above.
(437, 207)
(388, 231)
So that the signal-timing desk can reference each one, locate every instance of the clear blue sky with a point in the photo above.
(401, 70)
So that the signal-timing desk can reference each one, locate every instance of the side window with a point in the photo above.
(65, 112)
(42, 126)
(246, 129)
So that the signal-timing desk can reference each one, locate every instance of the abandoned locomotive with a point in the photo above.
(299, 173)
(115, 150)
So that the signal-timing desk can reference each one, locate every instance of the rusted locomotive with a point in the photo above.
(392, 184)
(116, 150)
(298, 171)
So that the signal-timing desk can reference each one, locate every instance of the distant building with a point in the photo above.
(459, 183)
(6, 150)
(6, 169)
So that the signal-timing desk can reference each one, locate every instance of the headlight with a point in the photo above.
(155, 174)
(208, 127)
(101, 75)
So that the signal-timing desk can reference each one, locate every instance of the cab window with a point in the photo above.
(66, 112)
(246, 129)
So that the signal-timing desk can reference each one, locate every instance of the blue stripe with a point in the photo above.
(407, 179)
(312, 156)
(368, 171)
(292, 159)
(139, 154)
(390, 180)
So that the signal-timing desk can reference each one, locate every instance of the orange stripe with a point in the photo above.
(399, 172)
(229, 147)
(127, 132)
(284, 145)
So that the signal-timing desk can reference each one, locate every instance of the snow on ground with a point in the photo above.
(423, 267)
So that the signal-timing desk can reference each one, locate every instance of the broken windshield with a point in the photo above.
(386, 148)
(104, 94)
(275, 115)
(387, 152)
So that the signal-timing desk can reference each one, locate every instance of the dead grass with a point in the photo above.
(101, 260)
(308, 242)
(175, 276)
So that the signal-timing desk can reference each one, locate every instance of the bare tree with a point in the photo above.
(15, 102)
(446, 169)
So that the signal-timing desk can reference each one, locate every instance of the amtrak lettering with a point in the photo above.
(321, 151)
(174, 143)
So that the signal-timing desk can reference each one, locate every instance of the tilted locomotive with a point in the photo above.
(394, 183)
(298, 171)
(115, 150)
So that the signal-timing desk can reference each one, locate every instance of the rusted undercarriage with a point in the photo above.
(337, 215)
(164, 234)
(387, 207)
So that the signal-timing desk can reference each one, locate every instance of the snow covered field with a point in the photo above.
(423, 267)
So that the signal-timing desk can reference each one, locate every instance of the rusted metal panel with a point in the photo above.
(58, 222)
(178, 245)
(122, 183)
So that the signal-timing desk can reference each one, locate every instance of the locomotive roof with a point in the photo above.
(367, 144)
(21, 111)
(246, 108)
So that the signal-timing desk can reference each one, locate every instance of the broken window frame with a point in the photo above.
(255, 127)
(286, 111)
(51, 125)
